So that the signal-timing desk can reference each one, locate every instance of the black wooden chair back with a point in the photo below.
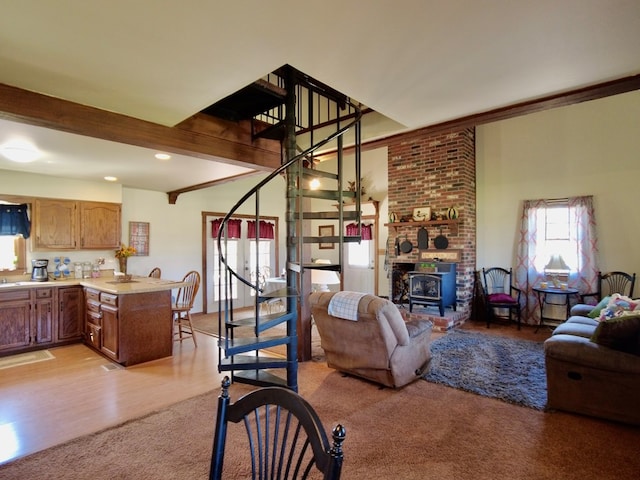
(616, 282)
(285, 437)
(500, 293)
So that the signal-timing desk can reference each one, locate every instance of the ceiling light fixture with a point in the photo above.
(162, 156)
(109, 178)
(20, 151)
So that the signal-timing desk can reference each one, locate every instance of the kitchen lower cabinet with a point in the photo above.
(110, 338)
(41, 317)
(129, 328)
(15, 321)
(70, 314)
(44, 316)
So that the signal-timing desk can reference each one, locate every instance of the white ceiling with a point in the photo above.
(418, 62)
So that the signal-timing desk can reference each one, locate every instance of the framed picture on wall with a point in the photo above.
(326, 231)
(139, 238)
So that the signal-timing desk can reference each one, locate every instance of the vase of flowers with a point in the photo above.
(122, 254)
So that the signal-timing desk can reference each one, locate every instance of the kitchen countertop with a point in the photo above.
(105, 284)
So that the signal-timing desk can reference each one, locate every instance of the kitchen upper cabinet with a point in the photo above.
(55, 223)
(75, 225)
(99, 225)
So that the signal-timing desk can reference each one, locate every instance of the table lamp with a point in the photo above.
(323, 278)
(555, 267)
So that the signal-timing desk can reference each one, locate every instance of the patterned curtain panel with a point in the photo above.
(266, 230)
(529, 269)
(14, 220)
(367, 231)
(233, 227)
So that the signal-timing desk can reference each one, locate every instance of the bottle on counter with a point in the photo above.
(86, 269)
(77, 269)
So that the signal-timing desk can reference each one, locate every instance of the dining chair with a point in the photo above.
(500, 293)
(181, 307)
(608, 284)
(155, 273)
(284, 437)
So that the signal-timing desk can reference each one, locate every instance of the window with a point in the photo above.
(549, 228)
(13, 253)
(359, 254)
(555, 238)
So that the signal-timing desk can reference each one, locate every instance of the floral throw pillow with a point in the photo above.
(619, 306)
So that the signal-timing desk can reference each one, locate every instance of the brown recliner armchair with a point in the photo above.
(379, 345)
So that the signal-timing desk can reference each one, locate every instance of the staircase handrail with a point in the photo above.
(272, 175)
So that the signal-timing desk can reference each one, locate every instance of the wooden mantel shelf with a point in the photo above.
(451, 223)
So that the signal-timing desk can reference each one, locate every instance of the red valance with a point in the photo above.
(266, 230)
(233, 227)
(367, 231)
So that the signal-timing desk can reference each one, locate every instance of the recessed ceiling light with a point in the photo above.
(111, 179)
(163, 156)
(20, 151)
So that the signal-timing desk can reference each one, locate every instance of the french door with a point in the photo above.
(242, 257)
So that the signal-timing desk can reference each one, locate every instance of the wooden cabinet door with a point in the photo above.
(44, 316)
(55, 224)
(15, 320)
(99, 225)
(70, 313)
(109, 331)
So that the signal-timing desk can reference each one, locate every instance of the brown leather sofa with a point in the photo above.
(379, 346)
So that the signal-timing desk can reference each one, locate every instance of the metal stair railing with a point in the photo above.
(230, 348)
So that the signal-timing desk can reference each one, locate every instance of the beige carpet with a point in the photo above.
(423, 431)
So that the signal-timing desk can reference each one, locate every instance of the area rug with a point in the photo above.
(25, 358)
(508, 369)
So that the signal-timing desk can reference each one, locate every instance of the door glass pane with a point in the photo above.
(359, 254)
(263, 257)
(232, 259)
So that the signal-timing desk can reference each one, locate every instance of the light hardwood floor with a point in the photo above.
(80, 392)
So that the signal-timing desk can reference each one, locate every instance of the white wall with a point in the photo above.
(592, 148)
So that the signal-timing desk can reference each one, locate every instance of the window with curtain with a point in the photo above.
(14, 220)
(15, 227)
(548, 228)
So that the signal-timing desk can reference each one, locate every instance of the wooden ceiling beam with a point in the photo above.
(201, 136)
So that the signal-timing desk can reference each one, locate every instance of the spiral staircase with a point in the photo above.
(305, 116)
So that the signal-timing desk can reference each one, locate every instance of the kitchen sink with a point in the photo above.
(25, 283)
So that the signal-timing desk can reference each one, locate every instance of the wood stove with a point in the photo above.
(433, 283)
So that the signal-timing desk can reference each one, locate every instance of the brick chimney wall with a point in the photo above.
(436, 171)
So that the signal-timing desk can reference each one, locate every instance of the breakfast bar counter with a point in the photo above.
(129, 322)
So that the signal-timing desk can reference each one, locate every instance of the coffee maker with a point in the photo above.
(39, 270)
